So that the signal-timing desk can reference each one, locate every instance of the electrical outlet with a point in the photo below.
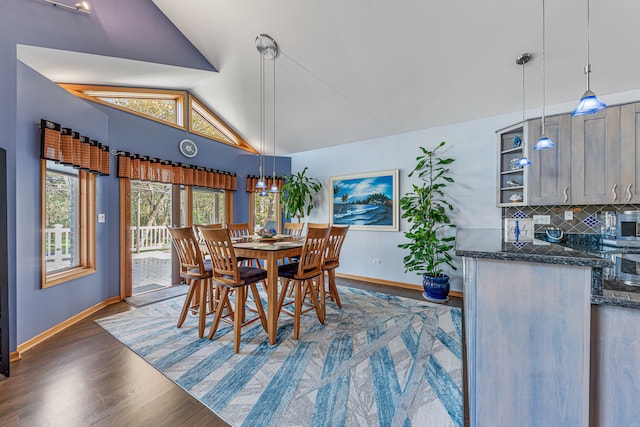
(568, 215)
(376, 261)
(542, 219)
(101, 218)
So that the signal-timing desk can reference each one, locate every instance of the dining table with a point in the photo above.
(270, 251)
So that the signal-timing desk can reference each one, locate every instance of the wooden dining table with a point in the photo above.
(270, 252)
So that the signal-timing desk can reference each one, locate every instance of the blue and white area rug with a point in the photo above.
(381, 360)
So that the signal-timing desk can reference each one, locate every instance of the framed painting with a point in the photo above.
(367, 201)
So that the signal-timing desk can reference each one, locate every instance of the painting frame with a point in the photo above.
(381, 215)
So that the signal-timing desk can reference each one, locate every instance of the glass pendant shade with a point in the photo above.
(589, 104)
(522, 162)
(274, 189)
(261, 184)
(263, 192)
(543, 143)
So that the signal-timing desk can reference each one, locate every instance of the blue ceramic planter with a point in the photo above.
(436, 288)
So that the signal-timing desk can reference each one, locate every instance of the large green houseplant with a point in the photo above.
(426, 209)
(298, 192)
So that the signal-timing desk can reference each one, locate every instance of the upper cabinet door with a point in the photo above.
(550, 169)
(596, 158)
(630, 153)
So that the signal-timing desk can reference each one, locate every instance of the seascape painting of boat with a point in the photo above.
(366, 201)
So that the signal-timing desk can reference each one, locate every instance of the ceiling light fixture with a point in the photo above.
(267, 48)
(522, 60)
(589, 103)
(82, 7)
(544, 142)
(274, 187)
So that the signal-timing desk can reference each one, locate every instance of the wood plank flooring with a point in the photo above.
(83, 376)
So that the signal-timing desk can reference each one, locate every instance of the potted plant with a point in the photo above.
(426, 209)
(297, 194)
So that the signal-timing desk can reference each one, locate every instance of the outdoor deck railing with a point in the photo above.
(59, 242)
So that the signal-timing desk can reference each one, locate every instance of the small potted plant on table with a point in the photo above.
(426, 209)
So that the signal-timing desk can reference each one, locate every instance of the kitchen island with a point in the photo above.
(546, 344)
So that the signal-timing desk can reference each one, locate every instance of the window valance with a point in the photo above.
(66, 146)
(145, 168)
(252, 180)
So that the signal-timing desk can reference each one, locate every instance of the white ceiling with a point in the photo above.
(361, 69)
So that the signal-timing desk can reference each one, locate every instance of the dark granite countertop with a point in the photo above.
(488, 243)
(608, 286)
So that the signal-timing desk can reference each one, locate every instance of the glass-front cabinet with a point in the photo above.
(512, 174)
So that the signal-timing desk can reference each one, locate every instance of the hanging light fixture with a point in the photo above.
(589, 103)
(267, 48)
(544, 142)
(522, 60)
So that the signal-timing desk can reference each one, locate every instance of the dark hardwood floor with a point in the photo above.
(83, 376)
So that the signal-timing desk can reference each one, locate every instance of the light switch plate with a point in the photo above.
(525, 225)
(568, 215)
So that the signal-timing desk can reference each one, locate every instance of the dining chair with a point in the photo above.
(231, 277)
(317, 225)
(331, 261)
(293, 229)
(198, 227)
(242, 230)
(305, 276)
(197, 273)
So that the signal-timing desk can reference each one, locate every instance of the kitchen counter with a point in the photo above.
(607, 284)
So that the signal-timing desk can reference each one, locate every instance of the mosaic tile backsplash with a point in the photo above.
(585, 218)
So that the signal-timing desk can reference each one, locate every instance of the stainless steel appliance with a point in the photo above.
(627, 230)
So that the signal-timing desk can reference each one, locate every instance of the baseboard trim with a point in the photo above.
(390, 283)
(14, 356)
(27, 345)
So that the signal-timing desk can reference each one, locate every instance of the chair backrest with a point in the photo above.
(334, 245)
(198, 227)
(317, 225)
(312, 256)
(239, 230)
(186, 244)
(223, 258)
(293, 228)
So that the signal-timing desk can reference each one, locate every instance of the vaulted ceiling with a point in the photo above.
(360, 69)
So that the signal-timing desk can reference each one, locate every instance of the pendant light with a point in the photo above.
(544, 142)
(589, 103)
(522, 60)
(267, 48)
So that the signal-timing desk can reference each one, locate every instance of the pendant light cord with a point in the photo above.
(544, 103)
(587, 68)
(262, 108)
(274, 121)
(523, 62)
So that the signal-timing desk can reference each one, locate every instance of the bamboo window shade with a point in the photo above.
(66, 146)
(252, 181)
(144, 168)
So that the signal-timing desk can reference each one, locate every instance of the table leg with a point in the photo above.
(271, 264)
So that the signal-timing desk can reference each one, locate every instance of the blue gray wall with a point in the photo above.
(119, 28)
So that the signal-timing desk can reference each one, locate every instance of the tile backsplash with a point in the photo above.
(585, 218)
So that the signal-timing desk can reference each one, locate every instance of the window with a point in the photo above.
(266, 211)
(67, 223)
(208, 206)
(164, 106)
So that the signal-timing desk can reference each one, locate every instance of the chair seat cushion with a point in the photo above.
(208, 268)
(252, 274)
(288, 271)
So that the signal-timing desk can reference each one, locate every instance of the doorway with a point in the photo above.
(150, 242)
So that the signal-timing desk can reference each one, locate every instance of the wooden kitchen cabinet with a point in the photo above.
(550, 170)
(630, 153)
(595, 161)
(596, 158)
